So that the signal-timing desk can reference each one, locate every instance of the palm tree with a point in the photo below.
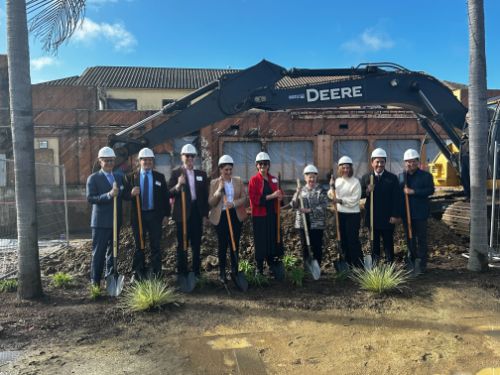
(52, 21)
(478, 131)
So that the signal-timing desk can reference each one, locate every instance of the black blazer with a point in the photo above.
(201, 184)
(161, 196)
(421, 181)
(386, 199)
(97, 191)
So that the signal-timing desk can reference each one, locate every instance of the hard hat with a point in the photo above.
(146, 153)
(262, 156)
(106, 152)
(345, 160)
(188, 149)
(310, 169)
(379, 153)
(225, 159)
(411, 154)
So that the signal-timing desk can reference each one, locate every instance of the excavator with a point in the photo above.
(270, 87)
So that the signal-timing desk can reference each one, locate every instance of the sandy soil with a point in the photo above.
(445, 322)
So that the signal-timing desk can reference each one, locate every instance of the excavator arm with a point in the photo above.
(271, 87)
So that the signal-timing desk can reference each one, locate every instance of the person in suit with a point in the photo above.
(232, 189)
(386, 204)
(195, 184)
(102, 187)
(419, 185)
(151, 187)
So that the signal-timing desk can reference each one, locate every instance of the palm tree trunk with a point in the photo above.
(30, 285)
(478, 132)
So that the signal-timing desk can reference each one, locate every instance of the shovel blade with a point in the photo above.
(186, 282)
(312, 267)
(368, 262)
(240, 281)
(114, 284)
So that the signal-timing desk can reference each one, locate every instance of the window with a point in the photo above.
(243, 154)
(357, 151)
(122, 104)
(290, 158)
(395, 149)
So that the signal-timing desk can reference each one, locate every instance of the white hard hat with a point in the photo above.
(188, 149)
(225, 159)
(262, 156)
(146, 153)
(345, 160)
(310, 169)
(106, 152)
(411, 154)
(379, 153)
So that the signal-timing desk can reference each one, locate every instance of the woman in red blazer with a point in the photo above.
(264, 197)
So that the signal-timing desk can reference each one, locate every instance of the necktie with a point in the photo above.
(111, 179)
(145, 194)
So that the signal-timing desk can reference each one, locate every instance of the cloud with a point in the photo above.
(90, 32)
(370, 40)
(42, 62)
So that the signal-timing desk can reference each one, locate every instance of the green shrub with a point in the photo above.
(147, 295)
(62, 280)
(381, 278)
(95, 291)
(8, 286)
(246, 267)
(341, 276)
(290, 261)
(295, 275)
(257, 279)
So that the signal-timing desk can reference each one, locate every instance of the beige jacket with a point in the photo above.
(215, 202)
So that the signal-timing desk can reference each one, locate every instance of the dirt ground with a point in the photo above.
(444, 322)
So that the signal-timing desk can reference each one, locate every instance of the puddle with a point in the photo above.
(223, 343)
(9, 356)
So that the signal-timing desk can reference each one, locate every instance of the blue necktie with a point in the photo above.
(145, 195)
(110, 178)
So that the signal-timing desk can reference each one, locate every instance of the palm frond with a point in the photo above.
(54, 21)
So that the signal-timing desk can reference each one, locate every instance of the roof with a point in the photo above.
(142, 77)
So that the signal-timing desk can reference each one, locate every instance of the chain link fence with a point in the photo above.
(52, 213)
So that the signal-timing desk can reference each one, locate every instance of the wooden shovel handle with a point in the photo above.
(408, 213)
(278, 214)
(139, 220)
(115, 226)
(184, 223)
(231, 233)
(336, 216)
(303, 215)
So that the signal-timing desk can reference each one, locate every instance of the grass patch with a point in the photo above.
(380, 279)
(341, 276)
(62, 280)
(8, 286)
(290, 261)
(253, 278)
(293, 271)
(95, 291)
(146, 295)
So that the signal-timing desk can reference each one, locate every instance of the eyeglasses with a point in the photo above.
(190, 155)
(263, 163)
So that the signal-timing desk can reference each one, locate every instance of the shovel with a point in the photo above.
(276, 265)
(368, 261)
(411, 250)
(187, 280)
(340, 265)
(114, 281)
(239, 278)
(312, 264)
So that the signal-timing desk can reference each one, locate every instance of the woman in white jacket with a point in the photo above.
(348, 194)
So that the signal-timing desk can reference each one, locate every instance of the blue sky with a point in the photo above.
(425, 35)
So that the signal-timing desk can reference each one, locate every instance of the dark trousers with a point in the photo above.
(349, 224)
(316, 240)
(151, 229)
(102, 249)
(387, 237)
(418, 249)
(194, 232)
(265, 238)
(224, 241)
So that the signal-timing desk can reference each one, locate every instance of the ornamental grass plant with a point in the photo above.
(146, 295)
(382, 278)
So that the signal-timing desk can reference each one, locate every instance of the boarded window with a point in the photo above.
(395, 149)
(357, 151)
(290, 158)
(243, 154)
(122, 104)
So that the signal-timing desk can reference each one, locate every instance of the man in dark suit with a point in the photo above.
(102, 187)
(195, 185)
(154, 201)
(386, 204)
(419, 185)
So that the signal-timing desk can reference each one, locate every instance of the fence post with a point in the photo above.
(63, 170)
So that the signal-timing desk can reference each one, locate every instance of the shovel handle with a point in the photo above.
(278, 214)
(231, 233)
(371, 208)
(408, 213)
(336, 216)
(184, 223)
(139, 220)
(304, 218)
(115, 227)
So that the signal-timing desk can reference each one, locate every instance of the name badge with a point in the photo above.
(199, 178)
(157, 183)
(275, 180)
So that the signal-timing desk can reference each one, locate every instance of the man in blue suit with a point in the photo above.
(102, 187)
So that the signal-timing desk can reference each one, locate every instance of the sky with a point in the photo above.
(423, 35)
